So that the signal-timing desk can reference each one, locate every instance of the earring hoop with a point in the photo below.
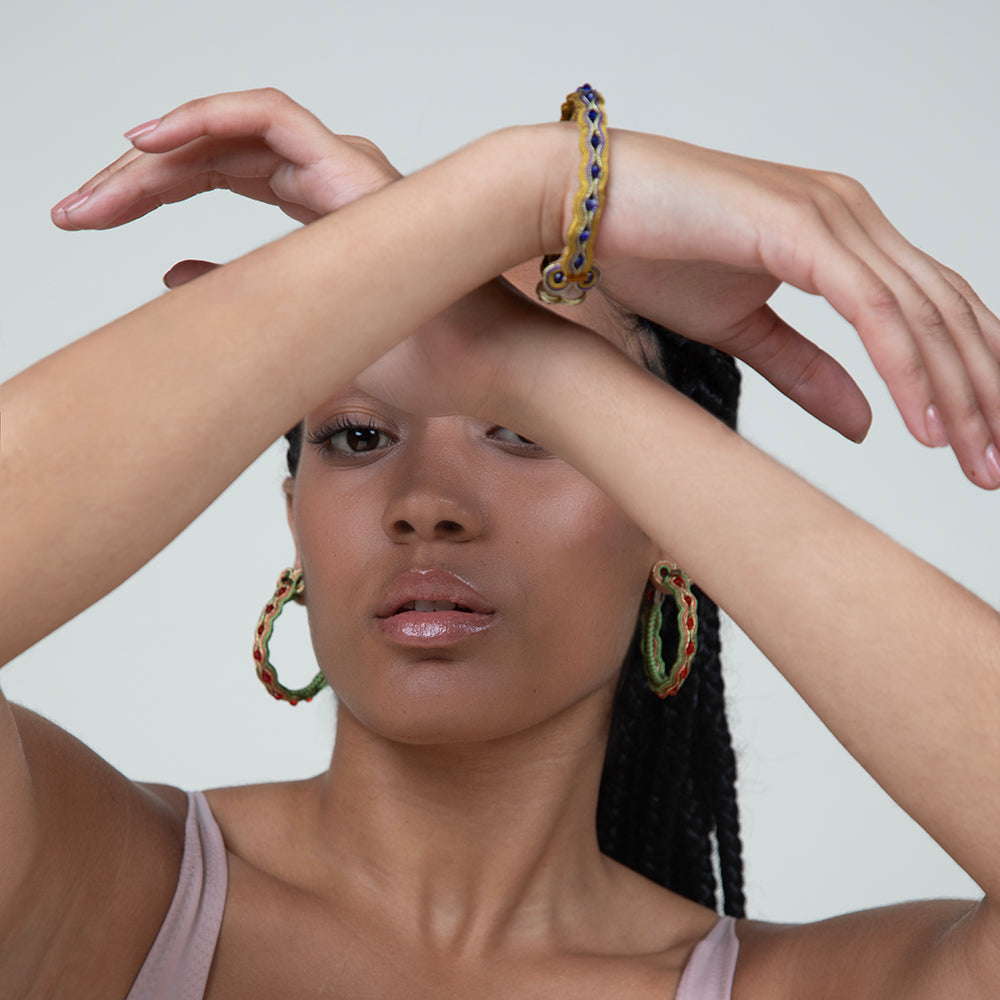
(290, 586)
(668, 579)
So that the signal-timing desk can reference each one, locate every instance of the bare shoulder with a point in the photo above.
(927, 950)
(101, 859)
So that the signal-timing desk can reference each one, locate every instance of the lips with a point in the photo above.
(431, 608)
(431, 591)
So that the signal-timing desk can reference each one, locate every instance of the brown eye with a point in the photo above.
(348, 437)
(362, 438)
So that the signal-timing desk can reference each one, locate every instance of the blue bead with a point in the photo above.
(592, 115)
(584, 236)
(595, 141)
(578, 262)
(595, 170)
(590, 204)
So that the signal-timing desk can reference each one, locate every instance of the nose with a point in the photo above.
(436, 495)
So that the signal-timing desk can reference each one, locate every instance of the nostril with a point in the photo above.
(404, 527)
(449, 527)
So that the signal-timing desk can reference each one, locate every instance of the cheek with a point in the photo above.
(595, 569)
(337, 534)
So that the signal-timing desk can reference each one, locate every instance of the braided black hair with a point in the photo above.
(668, 790)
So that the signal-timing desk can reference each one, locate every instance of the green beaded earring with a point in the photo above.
(290, 586)
(666, 579)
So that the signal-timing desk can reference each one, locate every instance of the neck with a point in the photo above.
(475, 843)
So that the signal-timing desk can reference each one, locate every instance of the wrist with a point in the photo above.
(536, 165)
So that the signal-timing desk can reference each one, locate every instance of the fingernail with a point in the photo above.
(70, 202)
(993, 463)
(936, 433)
(143, 129)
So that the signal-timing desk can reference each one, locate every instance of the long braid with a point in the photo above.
(670, 765)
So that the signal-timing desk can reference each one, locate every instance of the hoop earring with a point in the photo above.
(290, 586)
(666, 579)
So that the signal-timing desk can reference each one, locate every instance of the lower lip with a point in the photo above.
(429, 629)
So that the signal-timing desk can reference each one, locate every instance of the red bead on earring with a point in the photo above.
(290, 586)
(667, 579)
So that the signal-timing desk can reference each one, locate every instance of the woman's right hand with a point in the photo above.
(692, 238)
(259, 144)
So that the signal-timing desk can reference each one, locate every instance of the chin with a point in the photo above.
(439, 703)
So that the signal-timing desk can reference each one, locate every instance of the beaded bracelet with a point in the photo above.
(567, 278)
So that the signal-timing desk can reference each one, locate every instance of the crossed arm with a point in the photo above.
(870, 665)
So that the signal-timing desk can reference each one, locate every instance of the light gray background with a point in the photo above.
(158, 676)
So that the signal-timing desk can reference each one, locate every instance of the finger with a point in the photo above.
(947, 367)
(294, 133)
(126, 158)
(988, 322)
(187, 270)
(59, 211)
(800, 370)
(900, 325)
(983, 361)
(228, 139)
(965, 372)
(145, 182)
(352, 166)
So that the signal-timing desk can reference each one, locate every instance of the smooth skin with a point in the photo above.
(458, 858)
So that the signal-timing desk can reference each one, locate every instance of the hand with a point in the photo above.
(259, 144)
(699, 240)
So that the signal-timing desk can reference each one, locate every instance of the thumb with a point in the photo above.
(803, 372)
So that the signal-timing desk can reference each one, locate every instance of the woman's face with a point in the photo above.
(462, 584)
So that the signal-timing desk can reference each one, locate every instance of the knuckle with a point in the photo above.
(848, 189)
(909, 367)
(931, 322)
(963, 289)
(881, 301)
(809, 369)
(964, 409)
(803, 208)
(273, 95)
(752, 338)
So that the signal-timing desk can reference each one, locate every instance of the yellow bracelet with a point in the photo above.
(567, 278)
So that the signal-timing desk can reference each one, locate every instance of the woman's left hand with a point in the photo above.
(698, 240)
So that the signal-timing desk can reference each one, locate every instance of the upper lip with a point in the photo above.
(430, 585)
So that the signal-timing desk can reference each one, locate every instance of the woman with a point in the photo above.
(471, 595)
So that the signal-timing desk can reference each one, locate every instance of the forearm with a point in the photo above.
(899, 661)
(114, 444)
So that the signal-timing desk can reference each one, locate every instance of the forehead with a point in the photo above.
(596, 311)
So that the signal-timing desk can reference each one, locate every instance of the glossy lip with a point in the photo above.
(429, 629)
(430, 585)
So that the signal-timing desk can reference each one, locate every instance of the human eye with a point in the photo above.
(515, 442)
(349, 436)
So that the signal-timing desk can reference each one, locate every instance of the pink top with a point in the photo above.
(710, 970)
(178, 964)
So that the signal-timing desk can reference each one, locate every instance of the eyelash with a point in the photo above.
(322, 437)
